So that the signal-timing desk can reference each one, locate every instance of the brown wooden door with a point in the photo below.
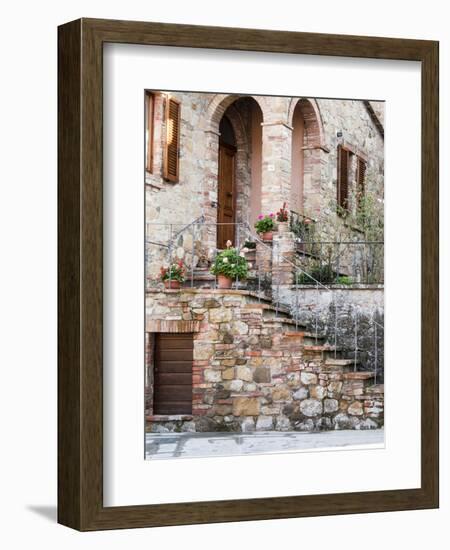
(173, 373)
(226, 195)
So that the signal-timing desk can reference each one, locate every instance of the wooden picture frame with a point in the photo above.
(80, 413)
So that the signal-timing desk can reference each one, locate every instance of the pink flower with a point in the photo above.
(260, 217)
(271, 215)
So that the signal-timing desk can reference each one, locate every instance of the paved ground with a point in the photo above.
(185, 445)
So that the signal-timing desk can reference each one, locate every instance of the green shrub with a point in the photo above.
(265, 223)
(231, 264)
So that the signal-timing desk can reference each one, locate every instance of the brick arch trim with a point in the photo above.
(220, 103)
(314, 132)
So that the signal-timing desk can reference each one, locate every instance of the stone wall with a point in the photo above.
(170, 206)
(253, 370)
(350, 317)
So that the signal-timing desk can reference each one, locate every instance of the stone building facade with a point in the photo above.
(264, 355)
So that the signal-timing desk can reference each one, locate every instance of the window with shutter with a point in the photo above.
(342, 179)
(171, 150)
(360, 179)
(149, 130)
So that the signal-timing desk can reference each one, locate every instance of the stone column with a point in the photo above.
(283, 252)
(210, 189)
(276, 166)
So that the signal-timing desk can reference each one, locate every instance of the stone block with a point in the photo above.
(301, 393)
(282, 423)
(244, 373)
(228, 374)
(334, 387)
(311, 407)
(203, 351)
(330, 405)
(308, 378)
(305, 426)
(317, 392)
(236, 385)
(239, 328)
(264, 423)
(245, 406)
(248, 425)
(220, 315)
(212, 375)
(281, 393)
(261, 375)
(211, 303)
(355, 409)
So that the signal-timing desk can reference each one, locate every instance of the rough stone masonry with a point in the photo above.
(255, 371)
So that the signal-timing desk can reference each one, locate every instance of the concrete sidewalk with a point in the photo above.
(189, 445)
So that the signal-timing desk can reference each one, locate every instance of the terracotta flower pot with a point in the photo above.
(267, 236)
(224, 282)
(171, 284)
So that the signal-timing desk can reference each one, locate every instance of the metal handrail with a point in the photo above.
(200, 221)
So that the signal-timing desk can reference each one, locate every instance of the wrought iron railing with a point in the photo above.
(344, 262)
(171, 237)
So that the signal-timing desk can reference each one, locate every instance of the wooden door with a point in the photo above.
(172, 393)
(226, 195)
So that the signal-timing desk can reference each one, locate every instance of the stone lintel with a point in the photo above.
(153, 325)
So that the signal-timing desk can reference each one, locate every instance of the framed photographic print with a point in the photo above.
(248, 274)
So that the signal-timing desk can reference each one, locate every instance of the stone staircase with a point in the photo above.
(314, 345)
(257, 368)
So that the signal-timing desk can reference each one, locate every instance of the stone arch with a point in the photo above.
(314, 134)
(246, 116)
(307, 150)
(220, 103)
(238, 109)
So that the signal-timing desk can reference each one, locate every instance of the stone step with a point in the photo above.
(321, 348)
(305, 334)
(359, 375)
(340, 362)
(376, 389)
(337, 365)
(320, 351)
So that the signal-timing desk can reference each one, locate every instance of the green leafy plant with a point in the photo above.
(265, 223)
(251, 245)
(302, 227)
(174, 272)
(344, 280)
(230, 263)
(322, 274)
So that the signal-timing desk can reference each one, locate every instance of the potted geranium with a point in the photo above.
(282, 219)
(265, 226)
(173, 276)
(228, 265)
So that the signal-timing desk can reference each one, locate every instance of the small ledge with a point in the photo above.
(359, 375)
(168, 417)
(330, 286)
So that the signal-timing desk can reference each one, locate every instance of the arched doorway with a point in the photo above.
(306, 147)
(239, 169)
(298, 159)
(226, 195)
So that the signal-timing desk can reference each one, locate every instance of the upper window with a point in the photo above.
(361, 167)
(343, 179)
(351, 180)
(172, 140)
(149, 130)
